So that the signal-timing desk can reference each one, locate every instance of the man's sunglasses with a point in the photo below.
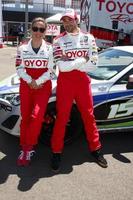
(35, 29)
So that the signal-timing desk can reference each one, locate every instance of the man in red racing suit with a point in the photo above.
(75, 54)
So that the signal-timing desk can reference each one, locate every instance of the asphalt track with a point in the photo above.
(79, 179)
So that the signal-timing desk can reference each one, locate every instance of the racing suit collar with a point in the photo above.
(41, 47)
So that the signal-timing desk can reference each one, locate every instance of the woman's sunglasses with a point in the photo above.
(35, 29)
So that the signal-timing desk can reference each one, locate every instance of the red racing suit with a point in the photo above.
(31, 65)
(74, 84)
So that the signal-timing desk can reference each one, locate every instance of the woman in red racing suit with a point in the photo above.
(33, 64)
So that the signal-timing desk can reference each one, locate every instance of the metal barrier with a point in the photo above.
(9, 40)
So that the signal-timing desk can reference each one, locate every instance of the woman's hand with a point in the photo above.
(33, 85)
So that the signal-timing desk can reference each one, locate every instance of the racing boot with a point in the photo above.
(55, 162)
(26, 153)
(99, 159)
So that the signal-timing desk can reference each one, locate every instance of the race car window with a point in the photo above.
(111, 62)
(124, 79)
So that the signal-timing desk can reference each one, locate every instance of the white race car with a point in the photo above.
(112, 87)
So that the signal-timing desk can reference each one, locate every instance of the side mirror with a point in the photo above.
(130, 82)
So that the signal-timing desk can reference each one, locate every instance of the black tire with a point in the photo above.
(73, 129)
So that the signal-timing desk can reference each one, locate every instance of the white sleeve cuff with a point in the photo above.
(43, 78)
(22, 74)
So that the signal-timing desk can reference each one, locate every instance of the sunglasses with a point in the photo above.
(35, 29)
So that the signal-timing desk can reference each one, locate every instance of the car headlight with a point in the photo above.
(14, 98)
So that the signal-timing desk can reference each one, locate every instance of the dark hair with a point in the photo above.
(38, 19)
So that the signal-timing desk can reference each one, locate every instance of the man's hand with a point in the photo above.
(87, 58)
(64, 57)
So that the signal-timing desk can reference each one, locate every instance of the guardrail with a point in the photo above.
(10, 40)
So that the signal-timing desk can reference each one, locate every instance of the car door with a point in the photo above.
(120, 105)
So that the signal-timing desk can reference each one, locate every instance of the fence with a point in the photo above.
(11, 34)
(10, 40)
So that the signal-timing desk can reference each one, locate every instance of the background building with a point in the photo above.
(15, 10)
(21, 12)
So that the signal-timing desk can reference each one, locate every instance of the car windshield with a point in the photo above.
(111, 62)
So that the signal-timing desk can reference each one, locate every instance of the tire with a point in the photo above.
(73, 129)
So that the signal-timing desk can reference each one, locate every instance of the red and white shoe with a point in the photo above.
(24, 158)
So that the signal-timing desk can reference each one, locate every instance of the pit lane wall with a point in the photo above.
(104, 19)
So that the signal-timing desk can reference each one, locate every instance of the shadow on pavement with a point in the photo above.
(74, 154)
